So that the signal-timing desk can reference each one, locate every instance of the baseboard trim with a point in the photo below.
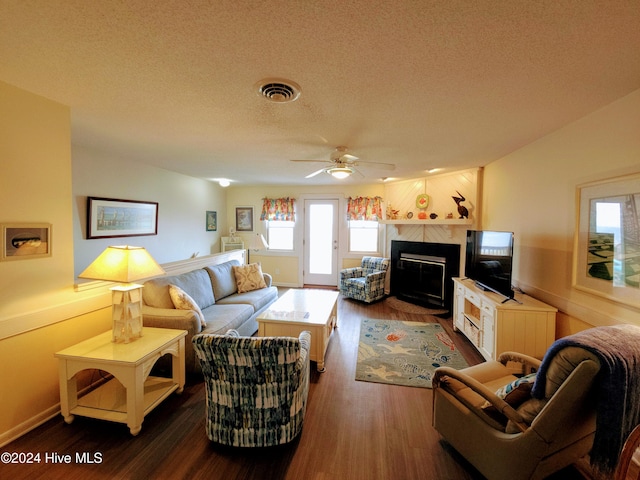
(28, 425)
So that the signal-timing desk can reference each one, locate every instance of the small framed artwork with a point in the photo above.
(21, 241)
(607, 240)
(212, 221)
(244, 219)
(110, 217)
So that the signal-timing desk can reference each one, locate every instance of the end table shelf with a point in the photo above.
(132, 393)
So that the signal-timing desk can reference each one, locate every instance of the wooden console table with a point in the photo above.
(132, 393)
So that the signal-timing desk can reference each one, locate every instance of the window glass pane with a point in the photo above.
(363, 236)
(280, 235)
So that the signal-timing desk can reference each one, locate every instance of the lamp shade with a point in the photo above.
(258, 242)
(123, 264)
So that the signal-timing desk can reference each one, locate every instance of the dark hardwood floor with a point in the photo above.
(353, 430)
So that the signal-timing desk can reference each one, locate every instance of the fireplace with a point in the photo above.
(422, 272)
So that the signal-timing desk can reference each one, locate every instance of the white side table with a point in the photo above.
(132, 393)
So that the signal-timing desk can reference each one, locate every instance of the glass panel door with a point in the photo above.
(321, 242)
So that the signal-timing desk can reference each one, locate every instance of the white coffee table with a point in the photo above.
(297, 310)
(132, 393)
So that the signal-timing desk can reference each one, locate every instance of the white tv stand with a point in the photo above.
(494, 326)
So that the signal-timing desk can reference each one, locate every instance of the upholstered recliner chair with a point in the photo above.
(365, 283)
(527, 441)
(256, 387)
(582, 398)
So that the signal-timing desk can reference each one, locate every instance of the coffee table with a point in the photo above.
(302, 309)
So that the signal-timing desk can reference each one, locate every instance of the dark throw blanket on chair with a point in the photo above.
(618, 386)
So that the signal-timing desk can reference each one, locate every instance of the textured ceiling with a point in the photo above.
(420, 84)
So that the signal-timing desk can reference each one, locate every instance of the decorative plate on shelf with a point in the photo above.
(422, 201)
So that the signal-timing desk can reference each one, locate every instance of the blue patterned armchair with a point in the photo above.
(256, 387)
(365, 283)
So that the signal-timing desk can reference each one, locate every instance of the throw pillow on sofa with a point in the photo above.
(249, 277)
(183, 301)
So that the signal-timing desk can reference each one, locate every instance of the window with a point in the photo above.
(363, 236)
(280, 235)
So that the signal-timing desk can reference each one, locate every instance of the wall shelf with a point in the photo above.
(437, 221)
(446, 222)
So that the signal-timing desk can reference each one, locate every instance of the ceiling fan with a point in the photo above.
(342, 164)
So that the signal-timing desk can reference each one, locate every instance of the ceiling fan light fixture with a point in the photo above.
(339, 172)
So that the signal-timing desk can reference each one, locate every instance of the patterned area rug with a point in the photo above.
(404, 353)
(402, 306)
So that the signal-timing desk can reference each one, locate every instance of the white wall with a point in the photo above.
(532, 192)
(182, 205)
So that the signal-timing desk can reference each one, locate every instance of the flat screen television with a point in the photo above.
(489, 259)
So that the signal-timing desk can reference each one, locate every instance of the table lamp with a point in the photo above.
(124, 264)
(258, 242)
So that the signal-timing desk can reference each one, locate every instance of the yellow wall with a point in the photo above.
(532, 192)
(35, 186)
(30, 370)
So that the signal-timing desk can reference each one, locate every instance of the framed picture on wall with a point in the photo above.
(21, 241)
(110, 217)
(607, 240)
(212, 221)
(244, 219)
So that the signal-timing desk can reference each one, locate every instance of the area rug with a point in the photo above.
(406, 307)
(404, 353)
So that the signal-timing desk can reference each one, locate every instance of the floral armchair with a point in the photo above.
(365, 283)
(256, 387)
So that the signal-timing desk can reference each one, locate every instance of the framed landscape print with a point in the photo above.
(110, 217)
(244, 219)
(21, 241)
(607, 240)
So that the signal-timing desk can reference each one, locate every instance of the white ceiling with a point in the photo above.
(420, 84)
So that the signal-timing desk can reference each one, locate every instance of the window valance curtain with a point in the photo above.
(278, 209)
(364, 208)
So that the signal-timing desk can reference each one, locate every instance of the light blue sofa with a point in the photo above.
(214, 290)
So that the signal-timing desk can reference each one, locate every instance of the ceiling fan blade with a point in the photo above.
(347, 157)
(355, 170)
(315, 161)
(315, 173)
(383, 166)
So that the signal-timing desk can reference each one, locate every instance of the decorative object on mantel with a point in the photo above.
(462, 210)
(422, 201)
(404, 353)
(422, 215)
(433, 216)
(124, 264)
(391, 213)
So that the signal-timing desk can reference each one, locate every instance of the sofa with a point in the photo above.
(212, 299)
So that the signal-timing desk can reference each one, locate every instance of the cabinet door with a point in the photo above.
(458, 308)
(488, 333)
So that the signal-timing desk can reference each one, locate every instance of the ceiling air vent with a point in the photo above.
(279, 91)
